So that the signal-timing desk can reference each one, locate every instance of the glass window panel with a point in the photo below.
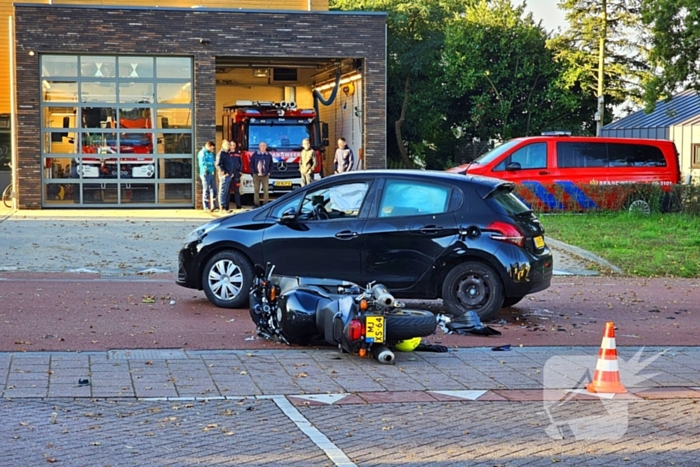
(175, 168)
(174, 93)
(5, 151)
(59, 143)
(100, 193)
(175, 193)
(138, 193)
(59, 65)
(175, 143)
(98, 92)
(174, 118)
(61, 193)
(98, 66)
(174, 67)
(59, 117)
(135, 143)
(136, 93)
(402, 198)
(59, 91)
(135, 117)
(98, 143)
(99, 117)
(136, 67)
(60, 167)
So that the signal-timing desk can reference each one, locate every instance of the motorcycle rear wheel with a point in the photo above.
(405, 324)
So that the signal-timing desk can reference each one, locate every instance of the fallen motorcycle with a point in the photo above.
(310, 311)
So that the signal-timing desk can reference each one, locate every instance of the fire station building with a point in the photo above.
(106, 104)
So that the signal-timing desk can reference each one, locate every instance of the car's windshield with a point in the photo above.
(495, 152)
(278, 135)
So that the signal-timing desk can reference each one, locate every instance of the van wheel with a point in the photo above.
(639, 206)
(473, 286)
(227, 278)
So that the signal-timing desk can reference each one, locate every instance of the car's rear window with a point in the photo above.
(507, 200)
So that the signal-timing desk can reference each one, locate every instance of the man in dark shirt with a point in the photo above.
(260, 167)
(226, 164)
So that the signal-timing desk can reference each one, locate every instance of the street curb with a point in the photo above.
(580, 252)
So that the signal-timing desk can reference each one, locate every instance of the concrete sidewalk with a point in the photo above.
(143, 241)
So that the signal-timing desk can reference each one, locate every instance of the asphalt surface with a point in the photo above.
(105, 361)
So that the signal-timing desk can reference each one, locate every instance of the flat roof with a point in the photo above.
(201, 8)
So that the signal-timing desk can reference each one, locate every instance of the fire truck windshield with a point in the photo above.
(278, 136)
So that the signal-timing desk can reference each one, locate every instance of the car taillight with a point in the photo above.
(504, 232)
(355, 330)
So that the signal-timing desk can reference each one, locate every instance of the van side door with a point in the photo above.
(529, 166)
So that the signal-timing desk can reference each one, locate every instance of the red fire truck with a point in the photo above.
(282, 126)
(105, 146)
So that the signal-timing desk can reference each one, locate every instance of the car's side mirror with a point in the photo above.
(514, 166)
(288, 216)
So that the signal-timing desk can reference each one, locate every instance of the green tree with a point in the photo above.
(415, 30)
(497, 65)
(675, 31)
(626, 48)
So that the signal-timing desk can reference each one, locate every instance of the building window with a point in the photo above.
(117, 130)
(695, 157)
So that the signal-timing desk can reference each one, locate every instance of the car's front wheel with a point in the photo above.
(226, 279)
(473, 286)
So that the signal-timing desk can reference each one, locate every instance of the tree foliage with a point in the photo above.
(460, 71)
(675, 30)
(496, 62)
(626, 65)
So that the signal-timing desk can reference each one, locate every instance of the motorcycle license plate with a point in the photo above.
(374, 329)
(539, 242)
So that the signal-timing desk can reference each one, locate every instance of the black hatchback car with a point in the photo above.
(423, 234)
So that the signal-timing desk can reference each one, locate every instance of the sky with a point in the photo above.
(547, 11)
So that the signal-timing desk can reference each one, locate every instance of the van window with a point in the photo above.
(635, 155)
(570, 154)
(532, 156)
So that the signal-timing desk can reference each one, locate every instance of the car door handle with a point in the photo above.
(346, 235)
(430, 229)
(544, 172)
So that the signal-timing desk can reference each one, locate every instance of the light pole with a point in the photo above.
(601, 75)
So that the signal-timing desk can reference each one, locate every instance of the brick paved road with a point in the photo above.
(139, 433)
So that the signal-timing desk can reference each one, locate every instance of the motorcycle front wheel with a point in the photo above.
(406, 324)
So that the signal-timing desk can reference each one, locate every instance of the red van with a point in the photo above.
(568, 172)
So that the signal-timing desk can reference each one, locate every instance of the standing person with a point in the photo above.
(260, 166)
(344, 159)
(205, 161)
(235, 167)
(307, 164)
(225, 176)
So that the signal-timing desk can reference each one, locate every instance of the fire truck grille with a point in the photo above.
(291, 170)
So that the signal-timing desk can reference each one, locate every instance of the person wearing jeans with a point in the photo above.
(206, 162)
(260, 167)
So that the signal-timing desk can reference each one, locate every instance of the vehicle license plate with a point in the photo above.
(374, 329)
(539, 242)
(283, 183)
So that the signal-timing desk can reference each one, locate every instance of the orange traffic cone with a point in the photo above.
(607, 374)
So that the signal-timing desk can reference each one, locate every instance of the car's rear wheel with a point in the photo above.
(407, 324)
(510, 301)
(226, 279)
(473, 286)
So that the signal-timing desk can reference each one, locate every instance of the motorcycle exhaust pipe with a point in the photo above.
(382, 296)
(383, 354)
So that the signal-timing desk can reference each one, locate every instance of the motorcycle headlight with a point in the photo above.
(199, 233)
